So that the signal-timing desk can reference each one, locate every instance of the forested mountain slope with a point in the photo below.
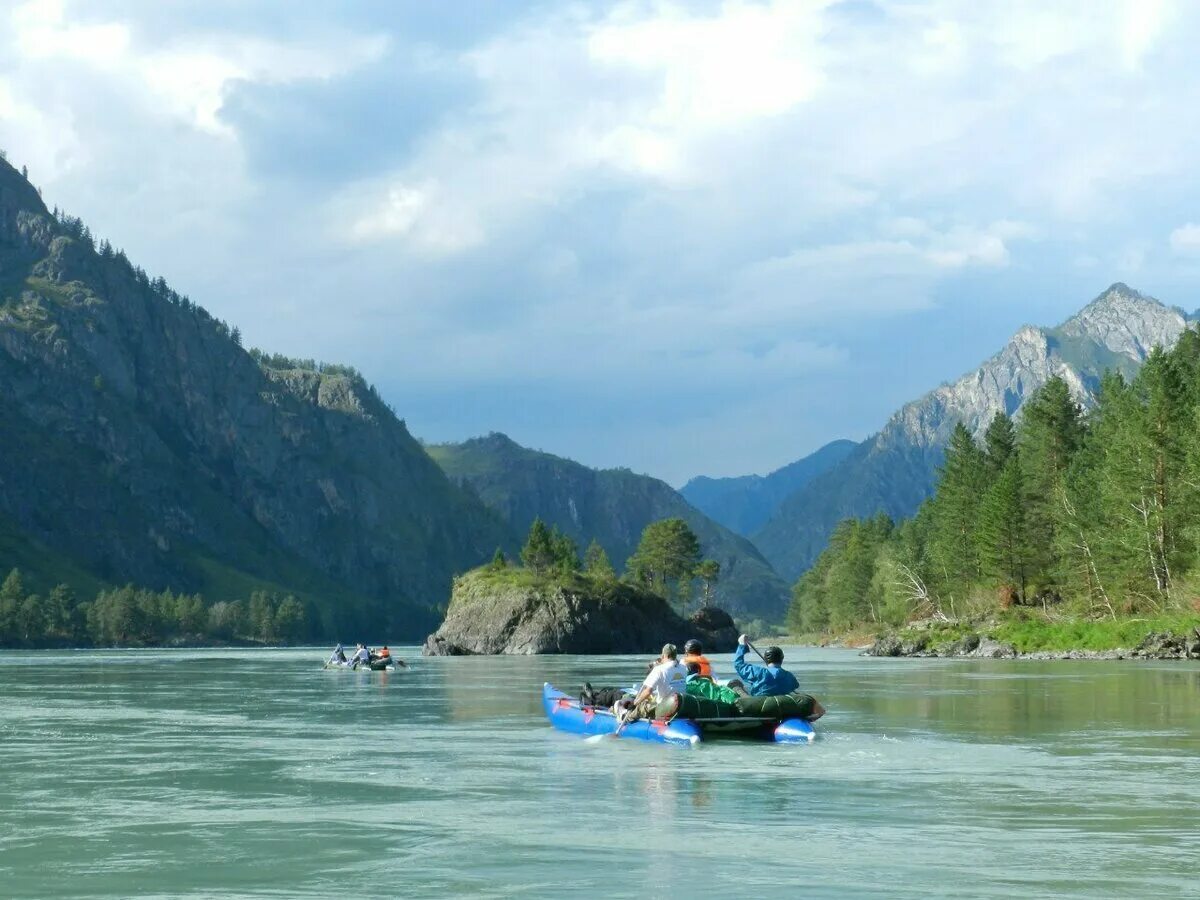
(744, 504)
(140, 442)
(611, 506)
(895, 470)
(1087, 516)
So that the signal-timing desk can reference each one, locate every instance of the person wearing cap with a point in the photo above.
(770, 680)
(666, 679)
(693, 652)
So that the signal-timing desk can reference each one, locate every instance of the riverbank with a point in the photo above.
(1025, 636)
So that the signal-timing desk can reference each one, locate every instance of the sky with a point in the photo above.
(682, 237)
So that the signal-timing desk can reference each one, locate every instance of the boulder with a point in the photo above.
(888, 645)
(1161, 645)
(914, 646)
(964, 646)
(990, 649)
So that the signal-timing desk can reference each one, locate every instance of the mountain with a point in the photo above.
(744, 504)
(896, 469)
(139, 442)
(611, 506)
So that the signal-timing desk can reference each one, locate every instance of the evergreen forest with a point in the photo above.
(136, 617)
(1091, 514)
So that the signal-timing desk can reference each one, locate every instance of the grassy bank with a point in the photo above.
(1028, 631)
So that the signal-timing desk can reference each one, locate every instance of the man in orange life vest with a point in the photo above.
(693, 652)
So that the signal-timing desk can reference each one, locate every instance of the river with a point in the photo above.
(253, 773)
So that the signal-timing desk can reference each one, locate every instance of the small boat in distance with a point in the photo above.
(378, 661)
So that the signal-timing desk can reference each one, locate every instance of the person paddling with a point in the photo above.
(771, 680)
(339, 656)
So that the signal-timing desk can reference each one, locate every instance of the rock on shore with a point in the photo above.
(1156, 645)
(512, 612)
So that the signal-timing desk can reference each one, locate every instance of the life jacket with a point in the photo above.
(701, 660)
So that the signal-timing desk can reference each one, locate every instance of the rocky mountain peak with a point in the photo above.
(1126, 322)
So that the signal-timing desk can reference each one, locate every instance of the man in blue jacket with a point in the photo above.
(764, 681)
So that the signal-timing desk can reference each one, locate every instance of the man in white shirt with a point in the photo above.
(666, 679)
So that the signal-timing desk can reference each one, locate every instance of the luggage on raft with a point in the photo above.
(796, 705)
(683, 719)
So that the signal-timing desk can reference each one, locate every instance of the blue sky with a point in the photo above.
(687, 238)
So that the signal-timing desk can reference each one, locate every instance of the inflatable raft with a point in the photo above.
(686, 721)
(376, 665)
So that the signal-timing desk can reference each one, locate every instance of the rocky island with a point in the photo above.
(515, 611)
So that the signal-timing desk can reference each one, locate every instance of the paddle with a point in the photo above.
(755, 649)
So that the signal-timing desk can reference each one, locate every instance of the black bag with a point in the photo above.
(602, 697)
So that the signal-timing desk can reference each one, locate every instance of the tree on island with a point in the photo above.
(596, 563)
(566, 554)
(666, 558)
(538, 552)
(499, 561)
(708, 572)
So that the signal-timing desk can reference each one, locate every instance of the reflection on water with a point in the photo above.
(256, 773)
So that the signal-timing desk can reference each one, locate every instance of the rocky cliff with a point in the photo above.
(895, 470)
(515, 612)
(611, 506)
(142, 443)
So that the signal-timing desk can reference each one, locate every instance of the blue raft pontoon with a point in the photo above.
(567, 714)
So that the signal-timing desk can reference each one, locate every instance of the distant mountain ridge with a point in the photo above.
(896, 469)
(745, 503)
(610, 505)
(139, 442)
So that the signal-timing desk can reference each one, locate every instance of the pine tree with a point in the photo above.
(1051, 433)
(708, 572)
(290, 619)
(538, 552)
(1003, 546)
(499, 561)
(999, 442)
(955, 511)
(666, 554)
(596, 564)
(12, 595)
(564, 552)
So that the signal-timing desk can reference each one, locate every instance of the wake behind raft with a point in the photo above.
(683, 720)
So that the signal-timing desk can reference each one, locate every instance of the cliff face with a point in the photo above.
(611, 506)
(513, 612)
(895, 470)
(142, 442)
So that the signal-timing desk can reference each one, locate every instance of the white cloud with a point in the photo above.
(1186, 239)
(188, 79)
(41, 31)
(641, 192)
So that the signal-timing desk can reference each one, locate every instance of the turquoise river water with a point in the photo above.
(253, 773)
